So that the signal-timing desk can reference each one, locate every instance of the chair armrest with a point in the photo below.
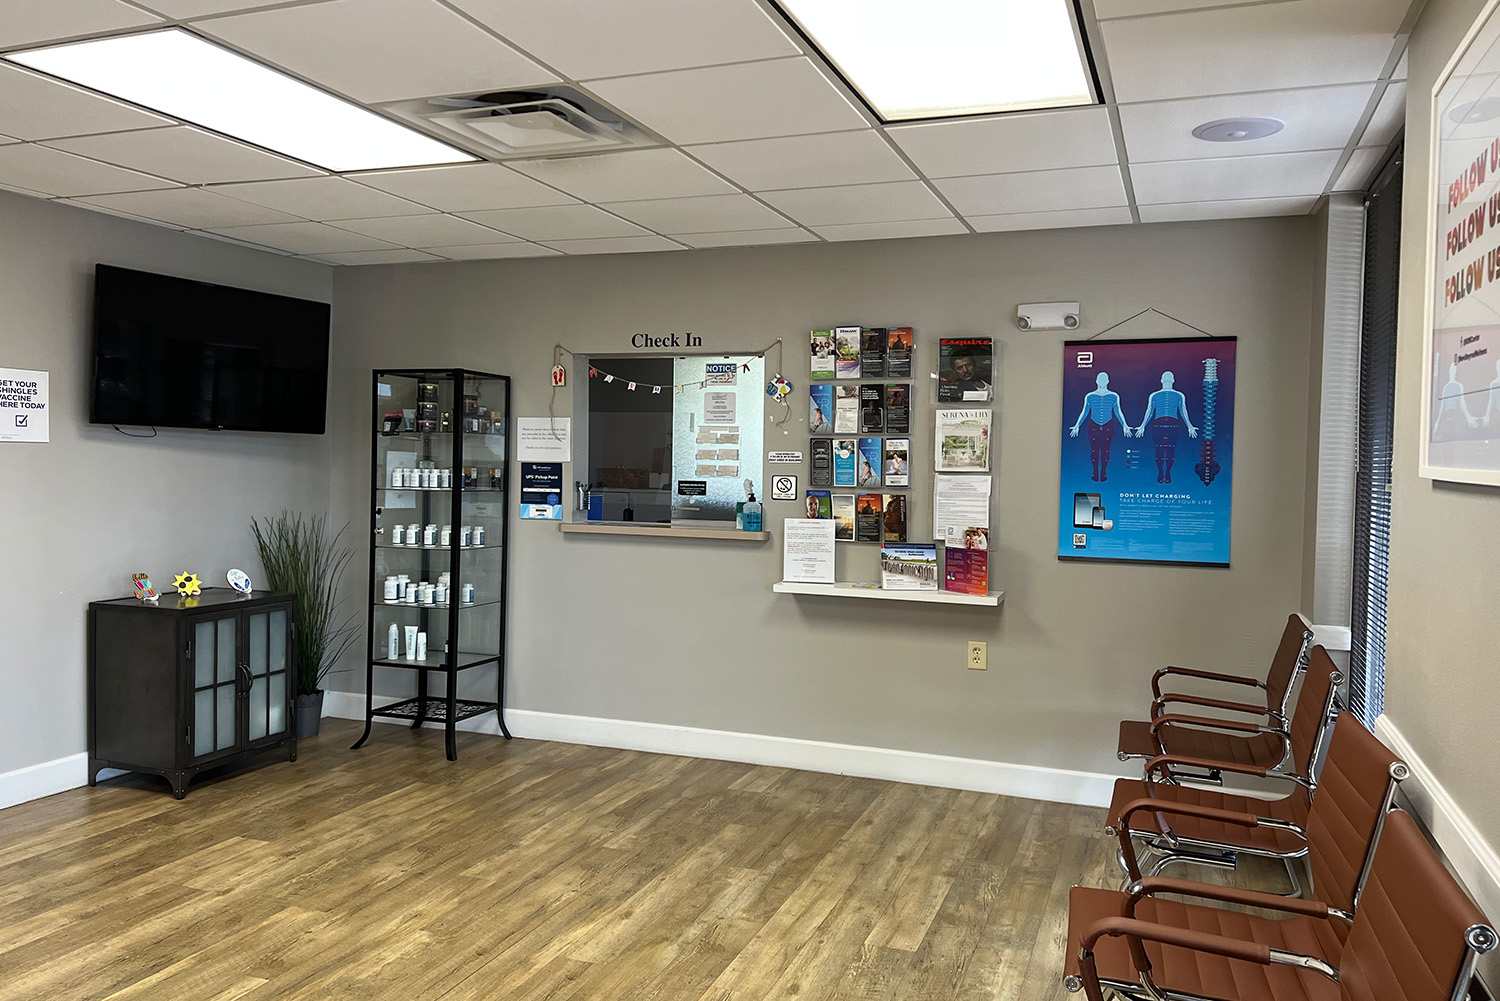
(1177, 719)
(1152, 885)
(1162, 762)
(1136, 931)
(1166, 806)
(1191, 672)
(1198, 700)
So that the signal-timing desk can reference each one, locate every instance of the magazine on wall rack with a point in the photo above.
(869, 518)
(898, 408)
(872, 352)
(966, 370)
(843, 517)
(870, 463)
(898, 344)
(846, 352)
(819, 504)
(963, 441)
(895, 517)
(845, 409)
(820, 409)
(822, 462)
(897, 462)
(966, 571)
(871, 408)
(845, 452)
(911, 567)
(822, 354)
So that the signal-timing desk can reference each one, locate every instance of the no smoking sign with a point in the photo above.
(783, 487)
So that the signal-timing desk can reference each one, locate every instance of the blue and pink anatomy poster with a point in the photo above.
(1147, 451)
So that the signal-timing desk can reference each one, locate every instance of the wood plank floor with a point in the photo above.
(532, 870)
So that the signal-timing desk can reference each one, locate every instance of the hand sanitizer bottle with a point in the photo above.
(752, 514)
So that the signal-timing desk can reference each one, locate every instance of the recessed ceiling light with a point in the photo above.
(182, 75)
(945, 58)
(1486, 109)
(1238, 130)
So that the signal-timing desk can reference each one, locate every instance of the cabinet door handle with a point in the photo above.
(245, 679)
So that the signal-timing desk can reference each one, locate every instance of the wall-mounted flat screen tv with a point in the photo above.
(174, 353)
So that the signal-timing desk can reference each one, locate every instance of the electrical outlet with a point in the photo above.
(979, 657)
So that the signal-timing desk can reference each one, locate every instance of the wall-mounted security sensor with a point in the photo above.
(1047, 316)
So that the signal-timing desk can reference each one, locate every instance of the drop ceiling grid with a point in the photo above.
(200, 15)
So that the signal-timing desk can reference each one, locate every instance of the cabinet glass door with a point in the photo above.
(270, 672)
(215, 685)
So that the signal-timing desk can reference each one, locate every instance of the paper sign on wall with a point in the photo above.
(718, 408)
(541, 490)
(23, 405)
(544, 439)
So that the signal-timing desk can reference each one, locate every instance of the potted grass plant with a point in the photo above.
(299, 555)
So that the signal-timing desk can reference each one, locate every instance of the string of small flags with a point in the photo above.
(597, 373)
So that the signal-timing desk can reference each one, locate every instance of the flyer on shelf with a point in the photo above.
(898, 462)
(819, 504)
(895, 517)
(898, 352)
(872, 352)
(822, 354)
(898, 408)
(966, 369)
(869, 518)
(908, 568)
(871, 408)
(966, 571)
(819, 409)
(846, 352)
(845, 409)
(844, 451)
(843, 517)
(869, 463)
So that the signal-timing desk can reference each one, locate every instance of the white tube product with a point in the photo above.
(393, 643)
(411, 642)
(421, 646)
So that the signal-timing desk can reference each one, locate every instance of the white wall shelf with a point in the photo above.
(660, 531)
(851, 590)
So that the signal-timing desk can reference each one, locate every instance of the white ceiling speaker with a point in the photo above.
(1047, 315)
(551, 121)
(1238, 130)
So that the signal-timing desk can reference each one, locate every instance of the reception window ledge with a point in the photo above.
(660, 531)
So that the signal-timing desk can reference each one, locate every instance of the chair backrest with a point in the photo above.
(1317, 707)
(1416, 932)
(1290, 660)
(1347, 814)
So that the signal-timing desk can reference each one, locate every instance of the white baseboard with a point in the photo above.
(36, 781)
(1471, 856)
(1026, 781)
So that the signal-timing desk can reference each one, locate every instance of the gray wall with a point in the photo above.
(690, 633)
(1440, 684)
(85, 511)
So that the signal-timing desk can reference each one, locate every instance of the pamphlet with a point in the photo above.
(898, 462)
(898, 408)
(959, 503)
(846, 348)
(965, 369)
(843, 517)
(869, 518)
(908, 568)
(895, 519)
(869, 462)
(846, 410)
(872, 352)
(807, 550)
(820, 409)
(963, 441)
(822, 354)
(822, 462)
(819, 504)
(966, 571)
(898, 353)
(844, 451)
(871, 408)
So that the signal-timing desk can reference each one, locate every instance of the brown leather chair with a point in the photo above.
(1415, 936)
(1261, 743)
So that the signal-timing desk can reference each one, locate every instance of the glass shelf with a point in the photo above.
(433, 608)
(385, 546)
(438, 663)
(463, 491)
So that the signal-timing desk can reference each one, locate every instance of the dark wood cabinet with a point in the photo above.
(187, 684)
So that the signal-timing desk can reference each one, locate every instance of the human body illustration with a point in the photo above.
(1453, 399)
(1101, 409)
(1166, 415)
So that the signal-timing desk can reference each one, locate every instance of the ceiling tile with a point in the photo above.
(322, 198)
(377, 257)
(303, 238)
(17, 189)
(891, 230)
(191, 208)
(1107, 9)
(465, 188)
(56, 173)
(80, 203)
(747, 238)
(1010, 143)
(557, 222)
(1050, 220)
(1360, 170)
(706, 214)
(200, 8)
(589, 39)
(185, 154)
(1035, 191)
(220, 238)
(783, 97)
(424, 230)
(617, 245)
(1319, 118)
(381, 50)
(494, 251)
(1244, 208)
(36, 107)
(619, 177)
(806, 161)
(858, 203)
(1305, 43)
(25, 23)
(1389, 117)
(1280, 175)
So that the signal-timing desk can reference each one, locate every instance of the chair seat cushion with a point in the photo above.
(1261, 749)
(1198, 973)
(1293, 809)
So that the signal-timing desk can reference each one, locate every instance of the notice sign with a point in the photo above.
(541, 490)
(718, 408)
(544, 439)
(721, 373)
(23, 405)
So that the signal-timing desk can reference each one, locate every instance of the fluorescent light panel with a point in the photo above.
(945, 58)
(179, 74)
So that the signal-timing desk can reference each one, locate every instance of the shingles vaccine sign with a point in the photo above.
(23, 405)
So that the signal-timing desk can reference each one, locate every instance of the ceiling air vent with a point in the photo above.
(555, 121)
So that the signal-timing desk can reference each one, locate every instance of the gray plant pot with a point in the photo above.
(309, 714)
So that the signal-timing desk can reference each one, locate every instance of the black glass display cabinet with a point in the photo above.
(185, 684)
(438, 538)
